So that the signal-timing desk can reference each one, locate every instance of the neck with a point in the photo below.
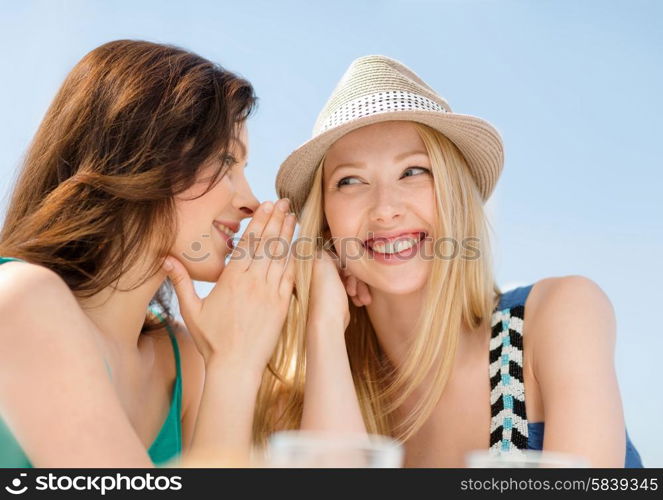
(394, 318)
(118, 312)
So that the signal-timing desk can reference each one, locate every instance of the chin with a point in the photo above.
(208, 271)
(403, 287)
(397, 280)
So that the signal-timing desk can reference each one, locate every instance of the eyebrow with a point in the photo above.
(397, 158)
(407, 154)
(348, 165)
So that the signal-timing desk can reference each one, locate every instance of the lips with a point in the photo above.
(232, 226)
(227, 231)
(394, 243)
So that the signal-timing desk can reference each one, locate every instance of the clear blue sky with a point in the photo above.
(574, 87)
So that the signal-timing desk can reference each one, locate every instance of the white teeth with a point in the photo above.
(404, 245)
(389, 247)
(225, 229)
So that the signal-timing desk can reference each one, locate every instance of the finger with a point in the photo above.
(245, 248)
(281, 249)
(363, 293)
(288, 277)
(270, 235)
(351, 286)
(187, 298)
(356, 301)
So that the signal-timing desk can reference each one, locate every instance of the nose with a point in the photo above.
(244, 199)
(386, 206)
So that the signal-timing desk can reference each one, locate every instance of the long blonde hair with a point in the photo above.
(459, 291)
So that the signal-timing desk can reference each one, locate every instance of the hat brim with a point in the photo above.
(478, 141)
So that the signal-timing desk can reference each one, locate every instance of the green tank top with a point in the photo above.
(166, 446)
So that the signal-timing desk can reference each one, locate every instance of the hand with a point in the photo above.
(357, 290)
(330, 399)
(241, 319)
(328, 298)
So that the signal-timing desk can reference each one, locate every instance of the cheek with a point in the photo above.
(192, 244)
(194, 241)
(191, 218)
(222, 193)
(344, 222)
(422, 202)
(201, 211)
(343, 214)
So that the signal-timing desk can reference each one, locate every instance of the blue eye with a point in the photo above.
(413, 171)
(346, 181)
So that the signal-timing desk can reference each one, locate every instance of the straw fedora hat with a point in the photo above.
(376, 89)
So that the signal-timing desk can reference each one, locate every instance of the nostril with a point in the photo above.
(247, 211)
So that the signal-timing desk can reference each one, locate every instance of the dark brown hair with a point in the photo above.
(128, 130)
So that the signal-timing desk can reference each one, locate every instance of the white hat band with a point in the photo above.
(380, 102)
(376, 89)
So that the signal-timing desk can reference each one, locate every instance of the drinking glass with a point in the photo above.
(295, 449)
(525, 459)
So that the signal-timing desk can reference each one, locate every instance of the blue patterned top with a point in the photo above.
(509, 429)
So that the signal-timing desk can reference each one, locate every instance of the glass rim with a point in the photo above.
(334, 440)
(543, 457)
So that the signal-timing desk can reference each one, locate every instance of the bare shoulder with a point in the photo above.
(569, 311)
(22, 280)
(569, 288)
(559, 295)
(571, 328)
(33, 296)
(49, 358)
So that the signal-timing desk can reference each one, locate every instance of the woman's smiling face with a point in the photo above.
(207, 221)
(379, 203)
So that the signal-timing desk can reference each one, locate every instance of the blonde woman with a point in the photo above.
(393, 184)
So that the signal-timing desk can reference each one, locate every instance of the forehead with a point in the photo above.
(386, 139)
